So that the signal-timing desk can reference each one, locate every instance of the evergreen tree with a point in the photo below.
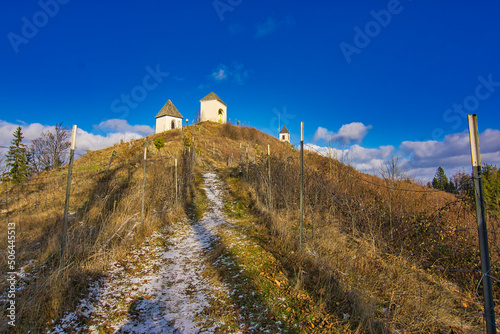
(17, 159)
(491, 178)
(440, 180)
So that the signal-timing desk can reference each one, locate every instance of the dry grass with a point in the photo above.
(381, 255)
(392, 256)
(104, 221)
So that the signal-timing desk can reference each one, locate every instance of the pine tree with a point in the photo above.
(17, 159)
(491, 177)
(440, 180)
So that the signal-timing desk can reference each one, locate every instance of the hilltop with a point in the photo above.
(376, 256)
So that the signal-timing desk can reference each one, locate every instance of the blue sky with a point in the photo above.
(370, 78)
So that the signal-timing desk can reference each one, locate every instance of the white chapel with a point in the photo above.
(213, 109)
(168, 118)
(284, 134)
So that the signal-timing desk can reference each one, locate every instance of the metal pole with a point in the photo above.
(301, 219)
(175, 163)
(68, 191)
(269, 171)
(143, 186)
(489, 307)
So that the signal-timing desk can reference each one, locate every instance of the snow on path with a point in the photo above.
(158, 289)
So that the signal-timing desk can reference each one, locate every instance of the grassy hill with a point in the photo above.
(376, 254)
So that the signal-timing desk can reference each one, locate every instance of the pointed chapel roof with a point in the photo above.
(169, 110)
(284, 130)
(213, 96)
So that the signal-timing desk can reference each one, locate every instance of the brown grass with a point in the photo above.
(104, 222)
(387, 257)
(393, 256)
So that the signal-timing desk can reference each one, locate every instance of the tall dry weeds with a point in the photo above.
(104, 222)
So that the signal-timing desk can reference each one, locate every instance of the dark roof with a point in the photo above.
(284, 130)
(213, 96)
(169, 110)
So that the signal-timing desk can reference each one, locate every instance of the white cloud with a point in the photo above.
(220, 73)
(323, 134)
(89, 141)
(452, 153)
(121, 125)
(362, 158)
(117, 130)
(417, 158)
(352, 132)
(235, 73)
(270, 25)
(363, 154)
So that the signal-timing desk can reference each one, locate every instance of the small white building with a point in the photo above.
(168, 118)
(213, 109)
(284, 134)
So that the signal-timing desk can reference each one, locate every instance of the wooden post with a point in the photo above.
(68, 192)
(269, 171)
(110, 159)
(301, 219)
(176, 191)
(489, 307)
(143, 186)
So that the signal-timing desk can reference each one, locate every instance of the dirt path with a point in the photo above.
(175, 283)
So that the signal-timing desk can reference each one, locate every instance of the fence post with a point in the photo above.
(143, 187)
(269, 171)
(248, 162)
(110, 159)
(68, 191)
(301, 219)
(175, 164)
(489, 307)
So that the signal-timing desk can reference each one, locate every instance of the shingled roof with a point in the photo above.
(169, 110)
(213, 96)
(284, 130)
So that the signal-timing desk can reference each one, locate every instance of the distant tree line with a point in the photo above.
(462, 183)
(45, 153)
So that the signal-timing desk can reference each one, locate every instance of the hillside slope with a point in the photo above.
(377, 256)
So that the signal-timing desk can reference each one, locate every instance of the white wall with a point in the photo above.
(164, 123)
(287, 137)
(209, 111)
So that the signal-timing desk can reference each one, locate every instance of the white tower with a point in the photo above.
(284, 134)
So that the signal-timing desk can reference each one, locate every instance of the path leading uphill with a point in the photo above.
(183, 280)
